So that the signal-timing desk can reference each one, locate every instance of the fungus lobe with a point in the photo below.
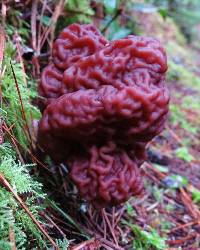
(104, 101)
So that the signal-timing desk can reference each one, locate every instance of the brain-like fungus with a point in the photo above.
(74, 42)
(108, 176)
(104, 102)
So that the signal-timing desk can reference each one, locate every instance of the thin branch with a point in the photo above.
(109, 226)
(12, 238)
(54, 224)
(3, 14)
(33, 23)
(91, 244)
(2, 46)
(25, 149)
(44, 4)
(111, 21)
(54, 18)
(22, 106)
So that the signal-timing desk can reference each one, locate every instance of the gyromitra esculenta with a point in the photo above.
(104, 101)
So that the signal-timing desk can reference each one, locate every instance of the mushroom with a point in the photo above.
(105, 103)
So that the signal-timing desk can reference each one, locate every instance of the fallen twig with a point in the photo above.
(93, 244)
(22, 106)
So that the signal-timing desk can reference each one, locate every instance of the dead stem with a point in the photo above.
(25, 149)
(44, 5)
(33, 23)
(57, 12)
(3, 13)
(109, 226)
(12, 238)
(93, 244)
(183, 226)
(2, 47)
(22, 107)
(53, 223)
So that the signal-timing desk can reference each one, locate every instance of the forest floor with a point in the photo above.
(167, 215)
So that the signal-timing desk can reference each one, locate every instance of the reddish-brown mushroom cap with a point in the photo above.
(109, 101)
(107, 176)
(74, 42)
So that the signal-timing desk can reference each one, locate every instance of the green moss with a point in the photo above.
(179, 118)
(175, 51)
(153, 24)
(191, 102)
(145, 240)
(183, 75)
(178, 35)
(11, 109)
(183, 153)
(17, 174)
(11, 213)
(195, 194)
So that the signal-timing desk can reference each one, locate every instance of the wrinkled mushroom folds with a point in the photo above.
(104, 101)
